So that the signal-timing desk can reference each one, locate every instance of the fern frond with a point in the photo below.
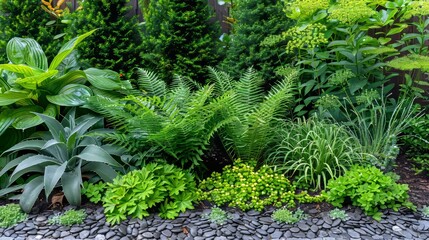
(223, 82)
(151, 83)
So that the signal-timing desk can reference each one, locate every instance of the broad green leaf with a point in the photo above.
(34, 82)
(71, 182)
(57, 149)
(103, 79)
(31, 194)
(25, 120)
(71, 95)
(18, 68)
(15, 50)
(106, 172)
(6, 119)
(94, 153)
(54, 85)
(88, 122)
(27, 165)
(34, 55)
(55, 127)
(67, 49)
(11, 97)
(52, 175)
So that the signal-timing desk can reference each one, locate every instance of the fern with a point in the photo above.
(249, 136)
(169, 122)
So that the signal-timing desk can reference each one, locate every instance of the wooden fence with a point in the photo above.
(221, 11)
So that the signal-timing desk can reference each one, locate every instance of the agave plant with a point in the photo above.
(255, 113)
(59, 157)
(28, 84)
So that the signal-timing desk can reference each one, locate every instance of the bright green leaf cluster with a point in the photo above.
(243, 187)
(338, 214)
(69, 218)
(370, 189)
(303, 9)
(284, 215)
(309, 36)
(156, 185)
(94, 192)
(416, 8)
(10, 215)
(350, 11)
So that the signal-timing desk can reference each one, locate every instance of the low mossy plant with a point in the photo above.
(287, 216)
(425, 211)
(338, 214)
(69, 218)
(11, 214)
(217, 215)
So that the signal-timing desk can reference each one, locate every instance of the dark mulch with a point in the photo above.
(418, 184)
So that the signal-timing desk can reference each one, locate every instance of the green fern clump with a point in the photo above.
(255, 113)
(161, 121)
(160, 186)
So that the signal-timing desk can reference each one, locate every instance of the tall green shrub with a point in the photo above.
(26, 19)
(254, 20)
(116, 44)
(180, 38)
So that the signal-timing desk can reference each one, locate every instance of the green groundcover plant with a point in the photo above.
(370, 189)
(245, 187)
(10, 215)
(338, 214)
(155, 186)
(287, 216)
(69, 218)
(217, 215)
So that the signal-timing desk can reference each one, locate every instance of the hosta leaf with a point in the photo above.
(25, 117)
(6, 119)
(31, 193)
(11, 97)
(51, 177)
(67, 49)
(71, 95)
(34, 55)
(22, 69)
(103, 79)
(71, 182)
(34, 82)
(54, 85)
(15, 50)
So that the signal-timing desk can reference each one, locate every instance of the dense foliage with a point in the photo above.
(168, 122)
(60, 157)
(253, 21)
(162, 186)
(242, 186)
(416, 139)
(117, 42)
(11, 214)
(28, 20)
(370, 189)
(255, 114)
(180, 38)
(315, 151)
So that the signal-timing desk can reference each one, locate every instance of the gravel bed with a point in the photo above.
(242, 225)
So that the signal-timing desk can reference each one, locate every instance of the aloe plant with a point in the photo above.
(59, 157)
(28, 84)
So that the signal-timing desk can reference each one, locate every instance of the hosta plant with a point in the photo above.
(28, 84)
(60, 157)
(163, 187)
(370, 189)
